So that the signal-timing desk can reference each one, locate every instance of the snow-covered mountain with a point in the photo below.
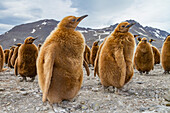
(42, 29)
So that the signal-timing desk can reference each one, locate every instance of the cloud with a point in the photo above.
(4, 27)
(14, 12)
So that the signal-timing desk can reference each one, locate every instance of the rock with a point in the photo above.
(142, 109)
(84, 107)
(95, 106)
(95, 89)
(24, 93)
(22, 89)
(167, 104)
(167, 96)
(2, 89)
(139, 82)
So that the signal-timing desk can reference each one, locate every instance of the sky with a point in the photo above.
(102, 13)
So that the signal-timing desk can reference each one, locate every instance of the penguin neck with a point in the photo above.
(119, 34)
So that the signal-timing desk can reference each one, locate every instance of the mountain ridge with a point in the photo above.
(42, 28)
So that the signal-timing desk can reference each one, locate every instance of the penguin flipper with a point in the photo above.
(16, 67)
(86, 67)
(49, 62)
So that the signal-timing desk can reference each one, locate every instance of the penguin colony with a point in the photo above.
(59, 63)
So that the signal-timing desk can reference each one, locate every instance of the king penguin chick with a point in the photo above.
(87, 54)
(144, 59)
(25, 64)
(115, 59)
(2, 58)
(15, 54)
(10, 56)
(93, 53)
(39, 46)
(165, 56)
(156, 53)
(60, 61)
(6, 52)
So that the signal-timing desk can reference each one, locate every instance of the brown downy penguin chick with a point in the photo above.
(6, 52)
(156, 53)
(39, 46)
(87, 54)
(144, 59)
(60, 61)
(93, 53)
(10, 56)
(115, 59)
(165, 56)
(15, 54)
(25, 64)
(2, 59)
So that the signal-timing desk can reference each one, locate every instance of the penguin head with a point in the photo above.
(29, 40)
(18, 44)
(70, 22)
(167, 38)
(144, 40)
(12, 47)
(151, 40)
(39, 45)
(96, 43)
(5, 50)
(136, 36)
(124, 27)
(139, 39)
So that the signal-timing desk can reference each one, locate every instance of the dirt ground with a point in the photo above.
(144, 93)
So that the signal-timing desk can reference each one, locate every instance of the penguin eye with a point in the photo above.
(73, 20)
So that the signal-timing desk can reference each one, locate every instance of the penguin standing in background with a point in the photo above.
(165, 56)
(156, 53)
(10, 56)
(93, 53)
(60, 61)
(25, 64)
(87, 54)
(115, 59)
(15, 54)
(2, 59)
(6, 52)
(144, 58)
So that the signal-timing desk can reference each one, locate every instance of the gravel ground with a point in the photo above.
(144, 93)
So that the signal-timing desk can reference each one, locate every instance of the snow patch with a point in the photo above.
(156, 34)
(33, 31)
(40, 28)
(83, 31)
(15, 39)
(44, 23)
(142, 29)
(158, 31)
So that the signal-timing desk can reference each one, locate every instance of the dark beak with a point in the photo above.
(16, 44)
(131, 24)
(81, 18)
(136, 36)
(34, 39)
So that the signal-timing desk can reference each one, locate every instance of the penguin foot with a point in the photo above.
(147, 72)
(165, 72)
(140, 72)
(32, 79)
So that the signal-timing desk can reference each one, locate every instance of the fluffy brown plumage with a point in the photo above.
(15, 54)
(6, 52)
(144, 59)
(10, 56)
(25, 64)
(165, 56)
(156, 53)
(115, 59)
(87, 54)
(93, 53)
(2, 58)
(60, 62)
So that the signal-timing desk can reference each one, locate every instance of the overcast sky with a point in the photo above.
(102, 13)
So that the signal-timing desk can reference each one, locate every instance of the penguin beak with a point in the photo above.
(34, 38)
(131, 24)
(136, 36)
(16, 44)
(81, 18)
